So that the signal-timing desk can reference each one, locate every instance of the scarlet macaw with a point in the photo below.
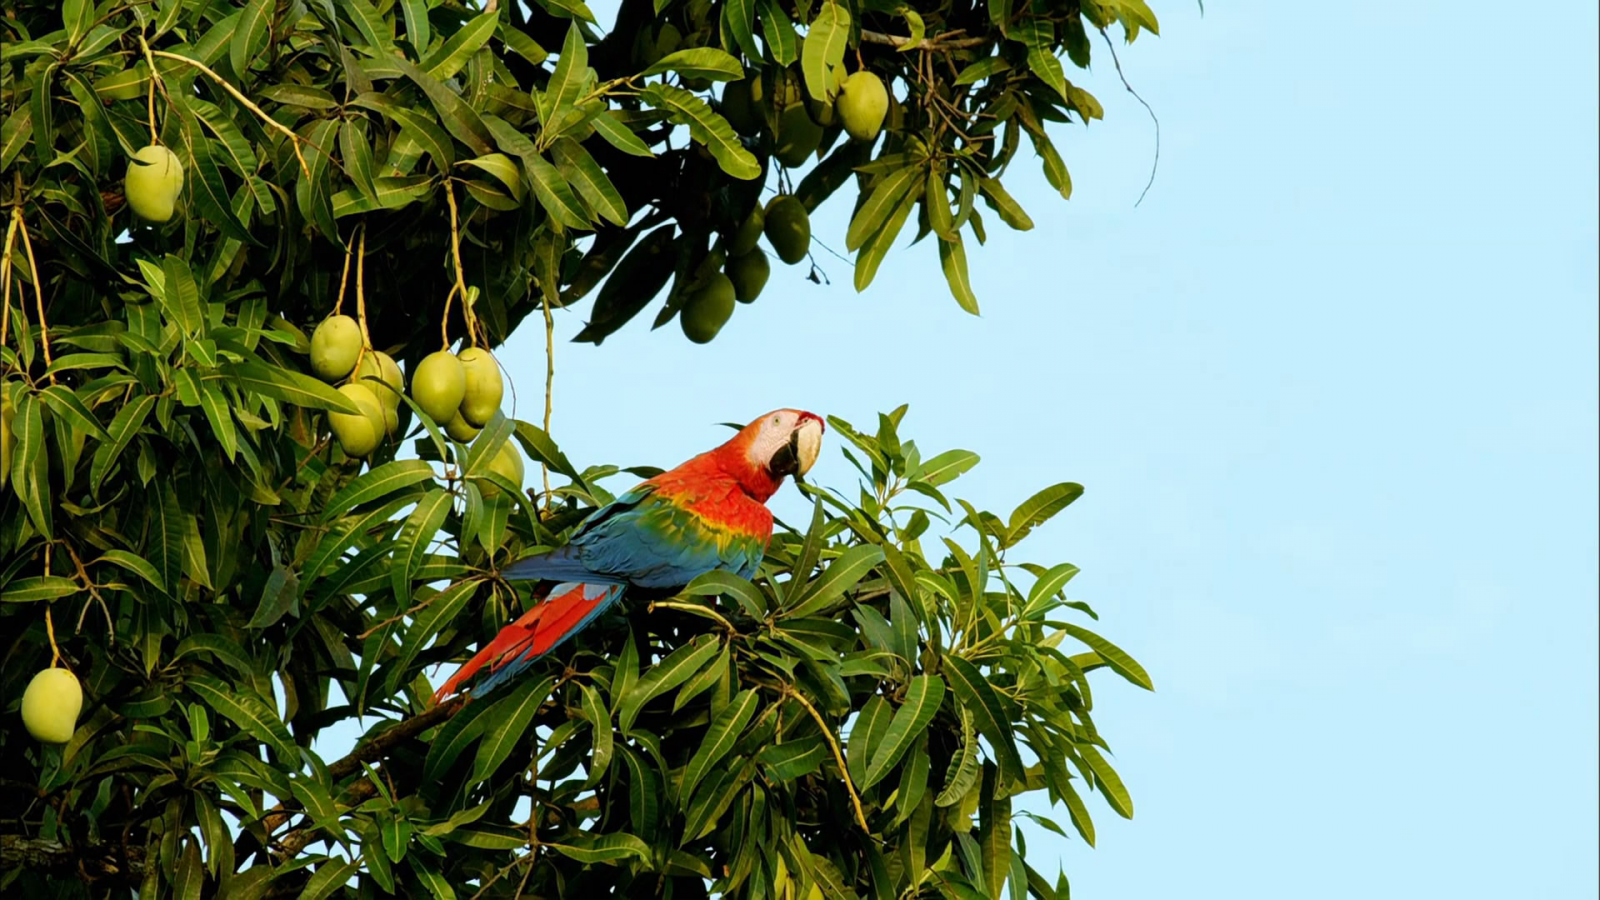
(708, 513)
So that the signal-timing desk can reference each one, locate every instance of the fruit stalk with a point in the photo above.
(461, 277)
(38, 293)
(5, 275)
(361, 296)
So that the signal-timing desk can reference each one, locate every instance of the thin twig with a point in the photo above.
(549, 383)
(838, 757)
(934, 43)
(344, 276)
(697, 609)
(38, 291)
(1157, 161)
(294, 139)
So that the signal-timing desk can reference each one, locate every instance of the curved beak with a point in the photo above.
(799, 453)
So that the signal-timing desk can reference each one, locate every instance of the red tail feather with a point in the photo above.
(531, 636)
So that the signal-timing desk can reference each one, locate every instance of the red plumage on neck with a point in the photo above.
(724, 486)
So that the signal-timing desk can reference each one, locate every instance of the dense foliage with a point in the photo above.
(178, 529)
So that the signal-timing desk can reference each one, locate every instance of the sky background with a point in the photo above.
(1332, 392)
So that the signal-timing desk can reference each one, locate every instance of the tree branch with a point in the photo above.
(91, 861)
(941, 42)
(365, 752)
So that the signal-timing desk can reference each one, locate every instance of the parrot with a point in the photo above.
(707, 514)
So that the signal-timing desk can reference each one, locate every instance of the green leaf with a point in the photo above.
(66, 404)
(877, 247)
(706, 126)
(994, 834)
(568, 80)
(884, 198)
(554, 194)
(979, 699)
(166, 532)
(840, 576)
(442, 608)
(583, 173)
(411, 545)
(793, 759)
(453, 739)
(446, 61)
(135, 564)
(824, 48)
(953, 259)
(1110, 782)
(357, 158)
(608, 848)
(376, 483)
(717, 582)
(699, 62)
(280, 597)
(290, 387)
(779, 32)
(250, 35)
(738, 29)
(619, 135)
(458, 117)
(1010, 210)
(245, 710)
(1046, 586)
(923, 696)
(866, 734)
(1039, 508)
(329, 878)
(1080, 815)
(124, 425)
(720, 737)
(1114, 656)
(43, 587)
(604, 736)
(666, 675)
(1045, 65)
(507, 724)
(180, 296)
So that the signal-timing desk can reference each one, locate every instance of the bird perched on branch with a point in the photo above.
(707, 514)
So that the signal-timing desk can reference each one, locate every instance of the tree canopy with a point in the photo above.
(186, 526)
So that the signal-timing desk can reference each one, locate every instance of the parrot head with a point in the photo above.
(781, 443)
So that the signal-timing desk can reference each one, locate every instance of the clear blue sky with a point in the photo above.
(1332, 392)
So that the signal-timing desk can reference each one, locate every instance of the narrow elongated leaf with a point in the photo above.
(793, 759)
(779, 32)
(1114, 656)
(701, 62)
(124, 425)
(415, 536)
(594, 709)
(446, 61)
(840, 576)
(880, 204)
(290, 387)
(456, 114)
(719, 739)
(248, 712)
(878, 246)
(554, 194)
(953, 259)
(666, 675)
(463, 729)
(607, 848)
(65, 403)
(826, 40)
(706, 126)
(923, 696)
(717, 582)
(583, 173)
(249, 35)
(375, 484)
(979, 699)
(506, 725)
(1081, 819)
(1039, 508)
(135, 564)
(1110, 782)
(43, 587)
(619, 135)
(442, 608)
